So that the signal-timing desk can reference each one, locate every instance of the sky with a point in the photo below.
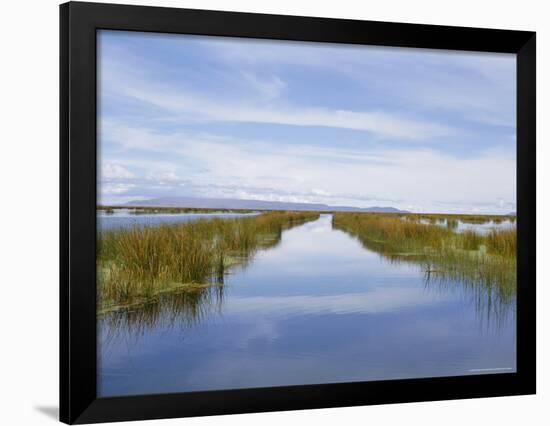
(199, 116)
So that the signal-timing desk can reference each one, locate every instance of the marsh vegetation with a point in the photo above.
(367, 293)
(138, 265)
(487, 260)
(466, 218)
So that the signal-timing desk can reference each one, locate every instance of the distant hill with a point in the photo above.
(230, 203)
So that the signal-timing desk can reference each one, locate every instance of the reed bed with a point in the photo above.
(470, 257)
(137, 265)
(466, 218)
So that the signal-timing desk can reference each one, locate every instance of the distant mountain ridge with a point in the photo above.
(233, 203)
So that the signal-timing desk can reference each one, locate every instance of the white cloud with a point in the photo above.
(268, 88)
(167, 103)
(110, 171)
(187, 106)
(116, 188)
(478, 85)
(163, 176)
(419, 179)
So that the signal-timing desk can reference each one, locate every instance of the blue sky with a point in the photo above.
(423, 130)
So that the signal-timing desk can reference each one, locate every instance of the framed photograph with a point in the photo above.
(264, 212)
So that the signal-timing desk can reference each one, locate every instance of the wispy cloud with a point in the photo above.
(113, 171)
(177, 104)
(269, 88)
(184, 107)
(362, 126)
(478, 86)
(414, 179)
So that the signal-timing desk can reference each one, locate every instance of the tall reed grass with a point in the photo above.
(489, 260)
(137, 264)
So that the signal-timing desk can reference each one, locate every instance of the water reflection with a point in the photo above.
(182, 309)
(492, 289)
(317, 308)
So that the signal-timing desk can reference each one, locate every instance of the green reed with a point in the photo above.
(136, 265)
(488, 260)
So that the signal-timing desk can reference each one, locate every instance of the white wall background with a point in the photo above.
(29, 212)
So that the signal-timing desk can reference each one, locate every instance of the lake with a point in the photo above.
(480, 228)
(317, 307)
(126, 218)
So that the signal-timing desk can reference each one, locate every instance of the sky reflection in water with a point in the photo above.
(316, 308)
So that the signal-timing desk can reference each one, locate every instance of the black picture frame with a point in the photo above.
(78, 25)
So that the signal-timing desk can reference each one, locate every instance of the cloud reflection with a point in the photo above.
(378, 300)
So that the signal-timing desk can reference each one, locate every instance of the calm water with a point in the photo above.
(480, 228)
(316, 308)
(124, 218)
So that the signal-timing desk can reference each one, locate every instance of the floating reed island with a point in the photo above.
(138, 265)
(487, 259)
